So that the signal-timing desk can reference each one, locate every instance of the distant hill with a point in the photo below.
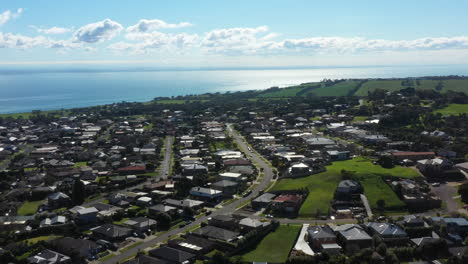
(361, 87)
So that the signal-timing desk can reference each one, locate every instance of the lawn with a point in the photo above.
(275, 247)
(29, 208)
(121, 222)
(453, 109)
(35, 240)
(80, 164)
(360, 118)
(322, 185)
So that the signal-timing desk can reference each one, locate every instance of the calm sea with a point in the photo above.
(22, 91)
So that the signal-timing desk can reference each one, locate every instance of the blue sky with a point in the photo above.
(234, 33)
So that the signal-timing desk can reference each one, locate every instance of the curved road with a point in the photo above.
(228, 209)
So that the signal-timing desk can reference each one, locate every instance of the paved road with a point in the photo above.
(166, 163)
(163, 173)
(228, 209)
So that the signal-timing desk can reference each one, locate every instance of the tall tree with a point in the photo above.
(78, 192)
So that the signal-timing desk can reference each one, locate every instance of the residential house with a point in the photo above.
(228, 188)
(172, 255)
(86, 249)
(262, 201)
(231, 176)
(181, 204)
(47, 256)
(287, 203)
(318, 235)
(433, 165)
(248, 224)
(161, 208)
(347, 190)
(455, 225)
(141, 224)
(224, 221)
(87, 215)
(353, 237)
(194, 169)
(335, 155)
(145, 259)
(193, 244)
(216, 233)
(58, 200)
(299, 169)
(206, 193)
(391, 234)
(111, 232)
(414, 156)
(56, 220)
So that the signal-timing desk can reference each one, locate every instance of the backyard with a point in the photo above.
(275, 247)
(29, 208)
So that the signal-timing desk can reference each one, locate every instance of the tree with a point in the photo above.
(382, 249)
(386, 161)
(78, 192)
(163, 219)
(188, 212)
(381, 205)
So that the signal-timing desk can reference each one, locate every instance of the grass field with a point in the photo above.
(389, 85)
(283, 92)
(275, 247)
(339, 89)
(453, 109)
(322, 185)
(29, 208)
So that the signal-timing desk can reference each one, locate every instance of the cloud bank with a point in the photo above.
(158, 36)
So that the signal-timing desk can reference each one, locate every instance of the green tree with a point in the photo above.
(381, 205)
(78, 192)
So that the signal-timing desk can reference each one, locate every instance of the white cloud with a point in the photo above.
(352, 45)
(7, 15)
(155, 41)
(149, 25)
(52, 30)
(98, 32)
(238, 40)
(9, 40)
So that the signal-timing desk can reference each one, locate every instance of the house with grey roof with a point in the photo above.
(353, 237)
(206, 193)
(228, 188)
(347, 189)
(172, 255)
(391, 234)
(457, 225)
(262, 201)
(318, 235)
(247, 224)
(111, 232)
(216, 233)
(141, 224)
(47, 256)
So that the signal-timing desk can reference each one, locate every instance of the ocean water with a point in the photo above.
(22, 91)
